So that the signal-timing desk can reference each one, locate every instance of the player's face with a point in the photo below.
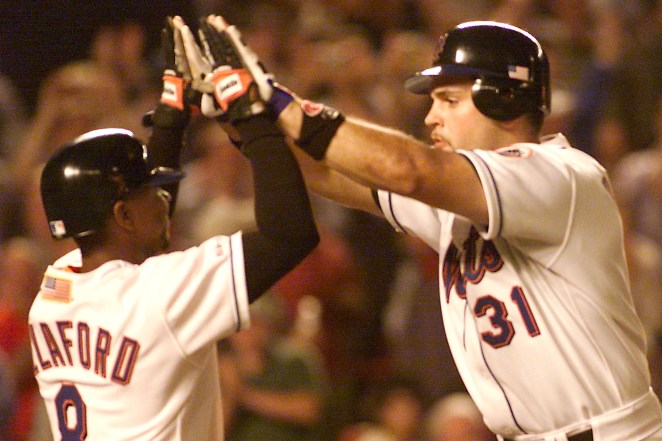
(151, 207)
(455, 121)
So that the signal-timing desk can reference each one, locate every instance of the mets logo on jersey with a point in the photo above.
(515, 151)
(469, 265)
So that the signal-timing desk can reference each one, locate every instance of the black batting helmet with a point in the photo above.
(82, 181)
(509, 65)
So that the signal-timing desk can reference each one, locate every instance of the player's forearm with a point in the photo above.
(325, 182)
(374, 156)
(377, 157)
(287, 230)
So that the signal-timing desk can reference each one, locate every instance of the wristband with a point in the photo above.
(279, 100)
(319, 126)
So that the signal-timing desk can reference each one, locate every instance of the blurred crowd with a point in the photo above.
(350, 345)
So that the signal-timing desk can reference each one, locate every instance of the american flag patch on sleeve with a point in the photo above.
(56, 288)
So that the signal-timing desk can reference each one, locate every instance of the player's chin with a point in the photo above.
(442, 145)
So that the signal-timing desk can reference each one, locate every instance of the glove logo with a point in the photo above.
(229, 85)
(173, 92)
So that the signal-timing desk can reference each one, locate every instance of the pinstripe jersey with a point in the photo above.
(536, 305)
(128, 352)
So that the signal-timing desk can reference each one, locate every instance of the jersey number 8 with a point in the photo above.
(72, 420)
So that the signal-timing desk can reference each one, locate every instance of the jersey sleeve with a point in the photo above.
(201, 291)
(530, 193)
(411, 216)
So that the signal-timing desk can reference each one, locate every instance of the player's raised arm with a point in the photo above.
(286, 227)
(362, 155)
(172, 113)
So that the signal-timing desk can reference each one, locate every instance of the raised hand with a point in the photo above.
(178, 98)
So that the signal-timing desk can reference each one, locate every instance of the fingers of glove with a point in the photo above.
(199, 66)
(218, 47)
(168, 45)
(174, 84)
(181, 62)
(210, 108)
(241, 84)
(250, 61)
(217, 22)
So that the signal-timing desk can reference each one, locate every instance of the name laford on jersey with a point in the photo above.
(65, 344)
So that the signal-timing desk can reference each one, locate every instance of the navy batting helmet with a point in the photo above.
(82, 181)
(509, 66)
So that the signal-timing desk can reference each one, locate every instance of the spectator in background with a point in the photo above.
(75, 98)
(274, 389)
(413, 325)
(7, 396)
(21, 269)
(455, 417)
(120, 47)
(594, 93)
(13, 118)
(217, 195)
(401, 54)
(638, 185)
(635, 93)
(391, 409)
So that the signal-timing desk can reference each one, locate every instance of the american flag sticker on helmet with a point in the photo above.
(518, 73)
(56, 289)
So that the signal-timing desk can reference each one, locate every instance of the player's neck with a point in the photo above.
(102, 251)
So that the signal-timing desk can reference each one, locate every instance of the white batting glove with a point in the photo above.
(200, 70)
(242, 87)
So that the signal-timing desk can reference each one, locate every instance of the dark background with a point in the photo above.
(37, 36)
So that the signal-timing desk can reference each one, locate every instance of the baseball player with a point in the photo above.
(124, 334)
(533, 281)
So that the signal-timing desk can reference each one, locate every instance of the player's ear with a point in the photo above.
(122, 215)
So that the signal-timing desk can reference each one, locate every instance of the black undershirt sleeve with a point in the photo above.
(165, 143)
(286, 228)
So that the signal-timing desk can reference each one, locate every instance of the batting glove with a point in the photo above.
(242, 86)
(178, 98)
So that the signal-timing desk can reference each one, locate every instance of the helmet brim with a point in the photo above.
(423, 82)
(164, 175)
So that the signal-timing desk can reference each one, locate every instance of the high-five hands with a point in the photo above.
(233, 83)
(236, 87)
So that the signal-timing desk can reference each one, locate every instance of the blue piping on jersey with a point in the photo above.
(234, 288)
(390, 209)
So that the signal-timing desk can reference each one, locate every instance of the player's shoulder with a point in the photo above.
(71, 259)
(548, 145)
(553, 148)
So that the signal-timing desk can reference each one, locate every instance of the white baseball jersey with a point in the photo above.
(536, 305)
(128, 352)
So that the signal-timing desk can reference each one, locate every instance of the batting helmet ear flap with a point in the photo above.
(500, 101)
